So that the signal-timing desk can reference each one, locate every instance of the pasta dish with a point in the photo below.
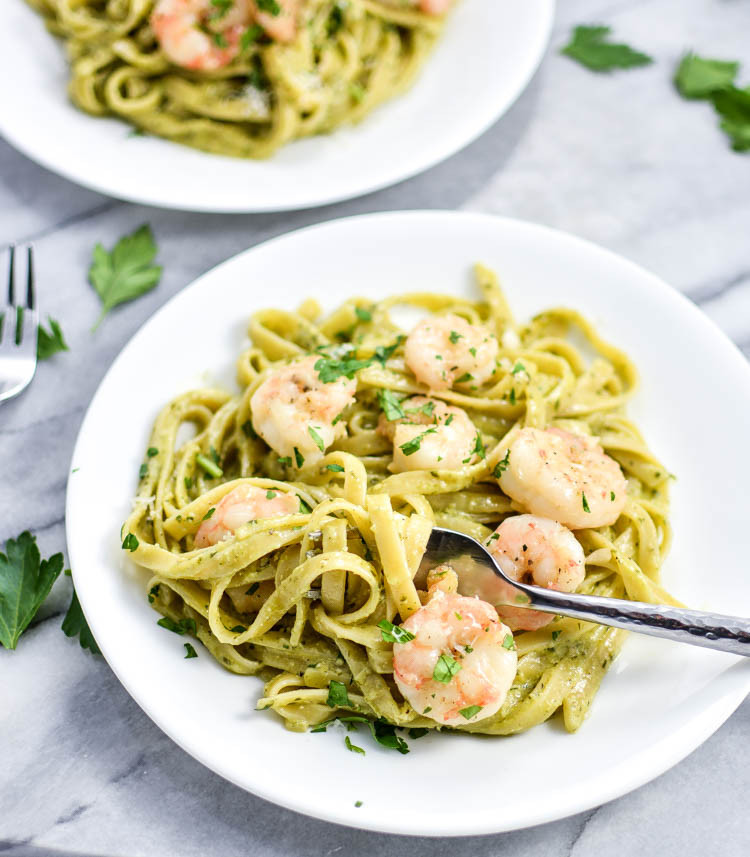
(241, 77)
(284, 526)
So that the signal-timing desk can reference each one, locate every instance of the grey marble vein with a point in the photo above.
(619, 159)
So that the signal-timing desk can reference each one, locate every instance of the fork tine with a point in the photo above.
(12, 275)
(30, 277)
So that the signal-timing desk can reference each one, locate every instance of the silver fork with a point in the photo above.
(18, 334)
(477, 570)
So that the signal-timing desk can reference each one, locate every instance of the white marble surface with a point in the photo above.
(620, 160)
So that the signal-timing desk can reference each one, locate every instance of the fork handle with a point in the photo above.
(711, 630)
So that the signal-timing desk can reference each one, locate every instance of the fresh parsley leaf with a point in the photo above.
(733, 106)
(455, 336)
(254, 587)
(394, 633)
(555, 635)
(25, 581)
(337, 695)
(298, 457)
(222, 7)
(143, 470)
(152, 451)
(362, 313)
(502, 466)
(209, 513)
(126, 272)
(585, 502)
(183, 626)
(428, 408)
(390, 404)
(239, 629)
(358, 803)
(445, 668)
(285, 460)
(698, 77)
(270, 494)
(49, 343)
(317, 438)
(612, 496)
(250, 36)
(209, 466)
(411, 446)
(589, 47)
(450, 419)
(75, 624)
(330, 369)
(479, 447)
(270, 6)
(153, 593)
(130, 543)
(509, 643)
(470, 711)
(512, 397)
(383, 353)
(385, 734)
(353, 747)
(519, 367)
(336, 468)
(190, 651)
(467, 376)
(418, 732)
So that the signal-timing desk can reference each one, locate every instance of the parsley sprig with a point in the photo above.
(589, 47)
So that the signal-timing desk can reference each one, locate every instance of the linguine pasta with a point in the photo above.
(347, 58)
(346, 560)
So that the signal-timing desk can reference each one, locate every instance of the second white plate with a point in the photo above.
(658, 702)
(486, 57)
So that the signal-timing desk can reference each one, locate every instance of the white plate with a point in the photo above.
(660, 700)
(488, 53)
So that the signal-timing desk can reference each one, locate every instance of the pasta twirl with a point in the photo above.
(313, 584)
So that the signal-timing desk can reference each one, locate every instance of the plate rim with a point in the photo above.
(640, 768)
(477, 128)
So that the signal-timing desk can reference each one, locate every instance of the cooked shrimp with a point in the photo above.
(564, 476)
(432, 436)
(295, 412)
(435, 7)
(446, 350)
(533, 550)
(206, 36)
(462, 661)
(244, 504)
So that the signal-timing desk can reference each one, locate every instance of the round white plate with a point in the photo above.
(486, 57)
(658, 702)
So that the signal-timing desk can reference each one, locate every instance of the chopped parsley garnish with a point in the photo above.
(250, 36)
(362, 313)
(270, 494)
(502, 466)
(190, 651)
(417, 732)
(588, 47)
(464, 378)
(519, 367)
(303, 507)
(335, 19)
(330, 369)
(468, 649)
(394, 633)
(298, 457)
(220, 40)
(75, 624)
(445, 668)
(336, 468)
(382, 731)
(130, 543)
(555, 634)
(450, 419)
(143, 470)
(382, 353)
(612, 496)
(254, 587)
(473, 352)
(238, 629)
(458, 616)
(509, 642)
(337, 695)
(270, 6)
(317, 438)
(209, 466)
(188, 482)
(209, 513)
(357, 803)
(455, 336)
(390, 404)
(699, 77)
(585, 502)
(25, 581)
(153, 593)
(248, 430)
(183, 626)
(428, 408)
(222, 7)
(411, 446)
(49, 343)
(353, 747)
(512, 397)
(478, 447)
(285, 460)
(126, 272)
(470, 711)
(152, 451)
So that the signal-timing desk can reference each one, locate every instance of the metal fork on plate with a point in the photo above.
(18, 334)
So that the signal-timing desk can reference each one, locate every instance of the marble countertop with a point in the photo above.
(619, 159)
